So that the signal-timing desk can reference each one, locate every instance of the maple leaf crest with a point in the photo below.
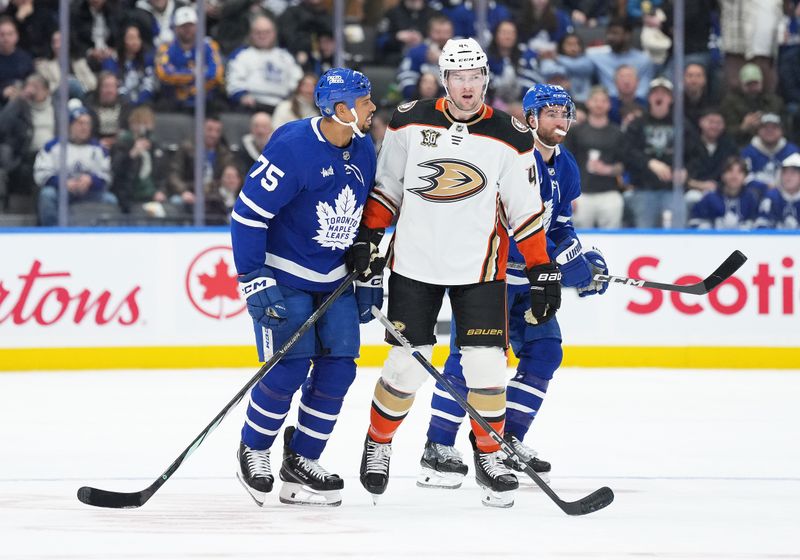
(338, 224)
(220, 283)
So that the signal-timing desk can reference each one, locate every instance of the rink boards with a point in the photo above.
(96, 299)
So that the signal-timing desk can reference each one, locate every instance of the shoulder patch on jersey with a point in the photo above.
(405, 107)
(503, 127)
(422, 112)
(518, 125)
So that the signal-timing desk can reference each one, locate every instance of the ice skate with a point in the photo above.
(528, 455)
(375, 467)
(254, 472)
(442, 467)
(305, 481)
(496, 480)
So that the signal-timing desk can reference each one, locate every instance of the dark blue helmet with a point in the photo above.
(340, 85)
(540, 96)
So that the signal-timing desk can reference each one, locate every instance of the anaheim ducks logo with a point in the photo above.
(451, 180)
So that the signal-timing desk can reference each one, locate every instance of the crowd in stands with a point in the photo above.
(130, 149)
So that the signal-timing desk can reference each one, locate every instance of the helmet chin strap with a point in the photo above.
(353, 125)
(536, 137)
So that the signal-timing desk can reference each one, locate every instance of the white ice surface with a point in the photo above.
(704, 464)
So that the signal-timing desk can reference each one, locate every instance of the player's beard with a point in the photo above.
(551, 139)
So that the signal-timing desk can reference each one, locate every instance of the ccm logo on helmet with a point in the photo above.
(452, 180)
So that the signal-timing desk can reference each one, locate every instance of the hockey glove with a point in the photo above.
(598, 263)
(363, 254)
(572, 263)
(545, 282)
(369, 292)
(264, 299)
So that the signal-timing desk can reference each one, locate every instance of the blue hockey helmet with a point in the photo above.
(340, 85)
(540, 96)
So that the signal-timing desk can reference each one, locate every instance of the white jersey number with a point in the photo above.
(269, 181)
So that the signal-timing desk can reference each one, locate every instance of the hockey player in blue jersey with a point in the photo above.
(549, 110)
(298, 213)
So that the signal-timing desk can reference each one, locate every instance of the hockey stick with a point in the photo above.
(110, 499)
(723, 272)
(596, 500)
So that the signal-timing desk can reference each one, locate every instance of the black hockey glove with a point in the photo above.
(545, 282)
(364, 255)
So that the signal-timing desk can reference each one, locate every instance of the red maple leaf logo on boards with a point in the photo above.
(221, 284)
(211, 284)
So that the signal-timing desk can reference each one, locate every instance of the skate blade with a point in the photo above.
(430, 478)
(298, 494)
(491, 498)
(258, 497)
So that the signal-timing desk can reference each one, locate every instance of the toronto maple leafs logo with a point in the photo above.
(338, 224)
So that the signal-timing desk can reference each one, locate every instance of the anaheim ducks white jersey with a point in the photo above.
(456, 187)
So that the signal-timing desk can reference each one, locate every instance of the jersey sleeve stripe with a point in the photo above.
(528, 228)
(255, 207)
(247, 222)
(384, 201)
(534, 249)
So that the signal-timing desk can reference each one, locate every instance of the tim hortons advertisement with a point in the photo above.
(179, 289)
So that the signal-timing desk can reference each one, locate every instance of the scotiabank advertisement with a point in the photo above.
(178, 289)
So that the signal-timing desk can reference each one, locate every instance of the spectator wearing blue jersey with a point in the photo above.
(730, 206)
(425, 56)
(765, 154)
(134, 67)
(780, 209)
(291, 226)
(549, 112)
(175, 63)
(88, 168)
(619, 51)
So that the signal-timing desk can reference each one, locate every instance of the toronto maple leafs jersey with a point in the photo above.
(301, 205)
(779, 210)
(560, 185)
(456, 187)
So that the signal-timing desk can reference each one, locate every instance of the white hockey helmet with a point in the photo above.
(462, 54)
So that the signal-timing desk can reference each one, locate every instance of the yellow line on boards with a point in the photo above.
(178, 357)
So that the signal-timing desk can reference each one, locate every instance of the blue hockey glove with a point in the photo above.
(574, 267)
(598, 263)
(363, 255)
(369, 292)
(545, 282)
(264, 299)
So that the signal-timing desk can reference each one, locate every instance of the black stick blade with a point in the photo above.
(597, 500)
(117, 500)
(733, 263)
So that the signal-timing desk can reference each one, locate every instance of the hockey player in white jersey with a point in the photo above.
(457, 175)
(297, 215)
(549, 111)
